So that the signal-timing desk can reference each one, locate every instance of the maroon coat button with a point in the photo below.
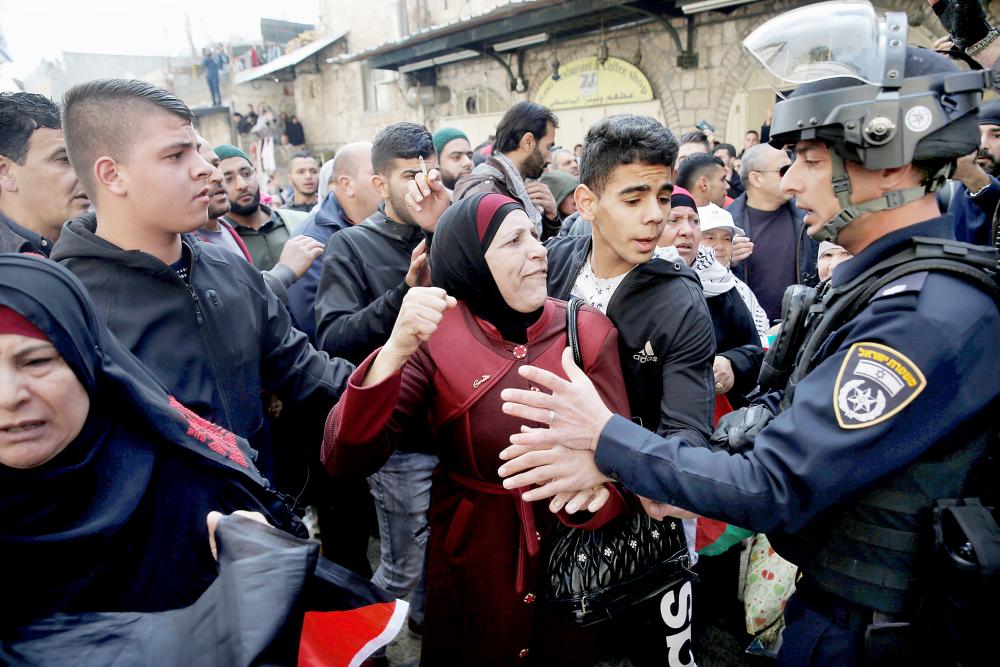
(520, 351)
(523, 654)
(529, 598)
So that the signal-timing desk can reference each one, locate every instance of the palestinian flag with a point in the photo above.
(362, 619)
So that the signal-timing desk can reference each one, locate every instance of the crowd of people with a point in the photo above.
(773, 341)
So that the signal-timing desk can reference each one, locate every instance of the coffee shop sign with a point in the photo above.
(585, 83)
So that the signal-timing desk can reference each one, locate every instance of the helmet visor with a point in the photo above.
(821, 41)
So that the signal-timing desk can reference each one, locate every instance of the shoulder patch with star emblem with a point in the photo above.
(875, 382)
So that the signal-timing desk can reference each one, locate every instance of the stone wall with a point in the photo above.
(334, 101)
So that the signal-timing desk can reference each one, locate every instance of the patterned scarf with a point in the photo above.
(513, 179)
(715, 278)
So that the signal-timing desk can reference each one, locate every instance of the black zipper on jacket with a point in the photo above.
(197, 305)
(199, 316)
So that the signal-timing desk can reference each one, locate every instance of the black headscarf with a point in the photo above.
(458, 261)
(116, 521)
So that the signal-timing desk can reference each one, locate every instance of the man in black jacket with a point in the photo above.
(783, 253)
(207, 326)
(367, 270)
(666, 339)
(665, 336)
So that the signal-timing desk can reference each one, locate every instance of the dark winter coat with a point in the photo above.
(806, 249)
(116, 520)
(217, 343)
(362, 285)
(665, 338)
(321, 225)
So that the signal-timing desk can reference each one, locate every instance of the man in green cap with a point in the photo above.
(454, 155)
(264, 230)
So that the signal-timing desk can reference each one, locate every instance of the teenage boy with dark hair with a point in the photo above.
(665, 331)
(665, 336)
(39, 189)
(525, 136)
(367, 270)
(206, 325)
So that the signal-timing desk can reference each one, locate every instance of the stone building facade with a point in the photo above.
(348, 101)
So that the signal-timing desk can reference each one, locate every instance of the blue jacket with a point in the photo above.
(328, 219)
(806, 249)
(974, 215)
(841, 434)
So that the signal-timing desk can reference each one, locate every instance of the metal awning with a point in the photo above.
(289, 60)
(533, 21)
(521, 23)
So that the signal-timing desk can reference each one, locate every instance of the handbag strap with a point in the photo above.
(572, 334)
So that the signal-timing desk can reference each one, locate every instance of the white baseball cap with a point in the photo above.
(716, 217)
(827, 246)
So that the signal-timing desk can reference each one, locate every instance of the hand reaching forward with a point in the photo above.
(569, 476)
(661, 511)
(574, 411)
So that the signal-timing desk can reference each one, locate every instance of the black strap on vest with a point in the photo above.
(975, 264)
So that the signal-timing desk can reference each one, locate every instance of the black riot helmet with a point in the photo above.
(871, 98)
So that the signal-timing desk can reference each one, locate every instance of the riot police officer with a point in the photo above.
(888, 377)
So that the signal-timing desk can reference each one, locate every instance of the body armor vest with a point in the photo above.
(873, 550)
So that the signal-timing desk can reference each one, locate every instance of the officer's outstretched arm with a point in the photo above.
(897, 384)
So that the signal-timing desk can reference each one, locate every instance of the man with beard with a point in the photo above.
(40, 189)
(525, 135)
(454, 155)
(264, 230)
(976, 194)
(303, 174)
(367, 270)
(296, 257)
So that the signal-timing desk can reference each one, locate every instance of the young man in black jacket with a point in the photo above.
(208, 327)
(367, 270)
(666, 339)
(665, 334)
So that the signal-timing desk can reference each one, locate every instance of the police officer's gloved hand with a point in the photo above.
(737, 430)
(964, 20)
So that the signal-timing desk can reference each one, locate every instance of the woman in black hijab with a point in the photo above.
(105, 479)
(454, 348)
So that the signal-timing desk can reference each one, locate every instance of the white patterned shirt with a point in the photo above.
(596, 291)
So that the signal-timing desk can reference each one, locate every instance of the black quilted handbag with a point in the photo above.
(594, 576)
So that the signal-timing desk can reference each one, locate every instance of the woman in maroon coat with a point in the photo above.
(453, 349)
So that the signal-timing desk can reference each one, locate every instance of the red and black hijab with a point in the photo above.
(458, 261)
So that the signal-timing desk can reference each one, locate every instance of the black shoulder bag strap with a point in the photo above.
(572, 333)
